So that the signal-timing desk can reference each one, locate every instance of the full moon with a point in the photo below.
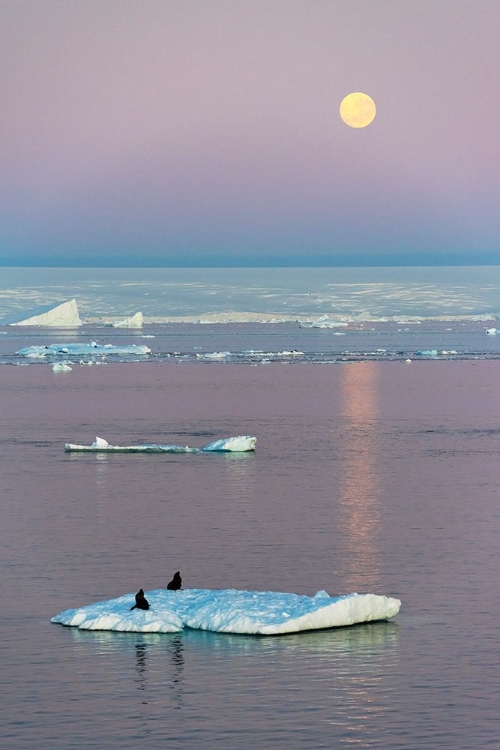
(357, 110)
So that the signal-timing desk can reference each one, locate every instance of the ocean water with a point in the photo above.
(371, 474)
(368, 476)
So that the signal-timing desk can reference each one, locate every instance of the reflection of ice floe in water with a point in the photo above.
(231, 611)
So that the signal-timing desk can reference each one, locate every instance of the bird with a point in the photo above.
(176, 582)
(140, 601)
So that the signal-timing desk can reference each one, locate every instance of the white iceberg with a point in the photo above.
(134, 321)
(231, 611)
(61, 315)
(238, 444)
(57, 350)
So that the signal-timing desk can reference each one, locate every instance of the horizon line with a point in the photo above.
(467, 264)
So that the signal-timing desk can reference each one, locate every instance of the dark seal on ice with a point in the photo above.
(176, 582)
(140, 601)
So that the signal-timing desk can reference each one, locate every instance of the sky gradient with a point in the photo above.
(207, 133)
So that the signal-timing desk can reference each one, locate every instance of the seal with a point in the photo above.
(176, 582)
(140, 601)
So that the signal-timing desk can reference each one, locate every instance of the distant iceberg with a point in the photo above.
(135, 321)
(230, 611)
(60, 315)
(78, 350)
(239, 444)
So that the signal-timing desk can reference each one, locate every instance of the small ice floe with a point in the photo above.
(408, 361)
(61, 367)
(230, 611)
(427, 353)
(214, 355)
(56, 350)
(238, 444)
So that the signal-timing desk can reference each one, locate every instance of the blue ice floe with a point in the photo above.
(238, 444)
(78, 350)
(230, 611)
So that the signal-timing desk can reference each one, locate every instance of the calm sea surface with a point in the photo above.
(372, 476)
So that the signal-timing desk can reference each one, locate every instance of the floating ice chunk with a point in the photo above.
(100, 443)
(240, 443)
(55, 350)
(427, 353)
(231, 611)
(324, 322)
(214, 355)
(61, 367)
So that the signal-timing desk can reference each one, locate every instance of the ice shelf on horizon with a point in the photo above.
(231, 611)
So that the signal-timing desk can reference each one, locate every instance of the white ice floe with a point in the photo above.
(57, 350)
(238, 444)
(427, 353)
(324, 322)
(230, 611)
(61, 367)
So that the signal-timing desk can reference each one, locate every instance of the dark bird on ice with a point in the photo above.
(176, 582)
(140, 601)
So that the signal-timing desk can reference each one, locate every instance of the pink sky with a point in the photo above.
(207, 133)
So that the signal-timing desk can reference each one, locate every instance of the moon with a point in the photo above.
(357, 110)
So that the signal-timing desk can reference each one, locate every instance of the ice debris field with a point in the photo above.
(238, 444)
(230, 611)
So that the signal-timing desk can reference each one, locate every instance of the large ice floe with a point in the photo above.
(238, 444)
(230, 611)
(79, 350)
